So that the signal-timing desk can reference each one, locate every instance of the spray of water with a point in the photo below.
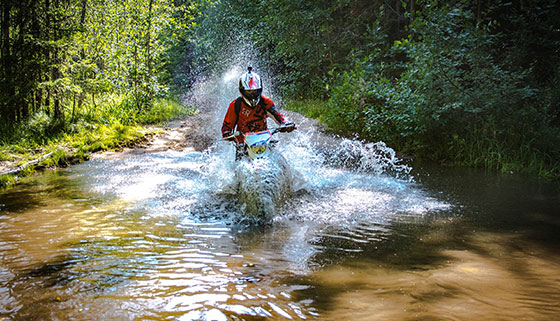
(319, 178)
(263, 184)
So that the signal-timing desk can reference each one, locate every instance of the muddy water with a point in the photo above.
(161, 236)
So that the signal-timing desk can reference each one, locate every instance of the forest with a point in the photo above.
(463, 83)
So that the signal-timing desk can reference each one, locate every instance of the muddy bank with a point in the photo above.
(187, 133)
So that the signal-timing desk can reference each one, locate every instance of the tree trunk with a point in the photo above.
(37, 55)
(37, 100)
(82, 56)
(6, 107)
(73, 109)
(6, 8)
(412, 10)
(56, 70)
(399, 12)
(47, 55)
(48, 103)
(21, 77)
(83, 15)
(148, 45)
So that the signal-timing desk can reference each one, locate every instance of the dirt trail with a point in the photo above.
(180, 134)
(183, 134)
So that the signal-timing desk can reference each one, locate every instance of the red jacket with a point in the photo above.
(250, 119)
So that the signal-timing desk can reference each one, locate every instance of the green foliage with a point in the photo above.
(104, 137)
(315, 108)
(6, 157)
(60, 157)
(7, 180)
(472, 83)
(125, 37)
(182, 50)
(164, 109)
(455, 100)
(57, 55)
(122, 109)
(32, 133)
(80, 76)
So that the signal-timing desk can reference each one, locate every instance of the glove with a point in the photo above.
(228, 135)
(288, 127)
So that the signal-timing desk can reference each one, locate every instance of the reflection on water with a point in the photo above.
(159, 237)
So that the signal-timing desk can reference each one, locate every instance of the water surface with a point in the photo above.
(161, 237)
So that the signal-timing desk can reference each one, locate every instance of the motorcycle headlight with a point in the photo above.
(258, 149)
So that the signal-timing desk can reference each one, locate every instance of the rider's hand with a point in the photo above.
(228, 136)
(289, 127)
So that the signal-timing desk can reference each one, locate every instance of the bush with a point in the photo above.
(452, 101)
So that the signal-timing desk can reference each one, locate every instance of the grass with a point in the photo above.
(96, 128)
(312, 108)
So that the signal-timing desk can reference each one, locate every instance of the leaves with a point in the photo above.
(68, 50)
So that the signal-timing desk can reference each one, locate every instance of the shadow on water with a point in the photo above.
(501, 202)
(498, 246)
(32, 192)
(56, 273)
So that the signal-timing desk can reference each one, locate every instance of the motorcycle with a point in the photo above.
(263, 176)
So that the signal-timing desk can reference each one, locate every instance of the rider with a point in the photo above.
(249, 111)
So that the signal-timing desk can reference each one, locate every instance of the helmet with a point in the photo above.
(250, 87)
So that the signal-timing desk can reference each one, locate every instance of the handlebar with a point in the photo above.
(287, 127)
(231, 137)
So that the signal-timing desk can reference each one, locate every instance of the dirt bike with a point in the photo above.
(263, 177)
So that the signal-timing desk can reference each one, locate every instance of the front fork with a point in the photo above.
(240, 151)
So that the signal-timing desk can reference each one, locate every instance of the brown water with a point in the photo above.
(155, 237)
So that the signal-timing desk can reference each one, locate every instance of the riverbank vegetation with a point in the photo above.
(468, 82)
(43, 141)
(82, 76)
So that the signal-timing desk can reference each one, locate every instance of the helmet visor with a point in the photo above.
(252, 93)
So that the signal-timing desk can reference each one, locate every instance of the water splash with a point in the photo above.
(376, 158)
(232, 74)
(331, 178)
(263, 184)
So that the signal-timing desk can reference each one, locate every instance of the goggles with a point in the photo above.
(253, 93)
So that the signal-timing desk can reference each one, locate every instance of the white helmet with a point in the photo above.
(250, 87)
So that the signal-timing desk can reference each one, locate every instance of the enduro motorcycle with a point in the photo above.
(262, 175)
